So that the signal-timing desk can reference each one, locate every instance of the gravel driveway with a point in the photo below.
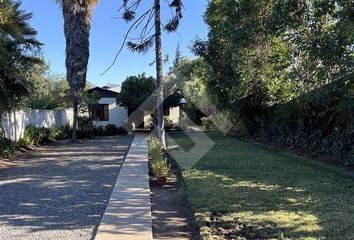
(60, 191)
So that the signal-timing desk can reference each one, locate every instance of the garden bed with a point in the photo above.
(171, 212)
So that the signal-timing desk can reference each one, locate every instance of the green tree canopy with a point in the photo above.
(284, 69)
(135, 90)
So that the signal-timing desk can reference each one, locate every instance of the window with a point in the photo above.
(99, 112)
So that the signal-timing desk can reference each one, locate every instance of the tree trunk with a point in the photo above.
(2, 131)
(159, 75)
(74, 135)
(77, 23)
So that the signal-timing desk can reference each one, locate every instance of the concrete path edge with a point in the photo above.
(128, 212)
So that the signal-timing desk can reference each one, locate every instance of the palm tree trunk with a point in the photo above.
(77, 23)
(159, 75)
(74, 135)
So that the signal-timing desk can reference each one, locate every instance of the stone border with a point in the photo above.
(128, 212)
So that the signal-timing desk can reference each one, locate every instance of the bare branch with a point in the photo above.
(125, 39)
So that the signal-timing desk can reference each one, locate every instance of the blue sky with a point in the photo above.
(107, 35)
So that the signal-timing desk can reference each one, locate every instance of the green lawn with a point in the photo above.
(242, 190)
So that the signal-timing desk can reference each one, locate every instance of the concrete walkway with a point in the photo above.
(128, 213)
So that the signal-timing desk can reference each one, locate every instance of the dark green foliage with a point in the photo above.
(283, 70)
(85, 127)
(135, 90)
(109, 130)
(319, 121)
(99, 131)
(8, 149)
(158, 164)
(168, 123)
(20, 52)
(112, 129)
(58, 133)
(122, 131)
(35, 136)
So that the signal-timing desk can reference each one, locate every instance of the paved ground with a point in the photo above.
(61, 191)
(128, 213)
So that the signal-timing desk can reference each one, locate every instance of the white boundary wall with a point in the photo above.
(14, 123)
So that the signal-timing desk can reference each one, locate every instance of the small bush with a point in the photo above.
(156, 150)
(99, 131)
(160, 168)
(168, 124)
(122, 131)
(85, 127)
(35, 136)
(158, 164)
(31, 136)
(8, 149)
(111, 129)
(57, 133)
(44, 134)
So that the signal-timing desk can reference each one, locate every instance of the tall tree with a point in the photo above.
(178, 57)
(20, 52)
(150, 21)
(77, 23)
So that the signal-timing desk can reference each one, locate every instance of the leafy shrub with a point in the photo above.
(57, 133)
(111, 129)
(44, 134)
(8, 149)
(85, 127)
(156, 150)
(160, 168)
(122, 131)
(99, 131)
(168, 124)
(35, 136)
(158, 164)
(206, 122)
(31, 136)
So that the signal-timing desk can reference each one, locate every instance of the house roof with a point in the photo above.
(104, 92)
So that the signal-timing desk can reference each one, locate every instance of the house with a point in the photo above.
(107, 111)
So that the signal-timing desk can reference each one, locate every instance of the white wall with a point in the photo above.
(174, 115)
(117, 114)
(14, 123)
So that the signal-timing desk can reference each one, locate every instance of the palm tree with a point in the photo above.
(19, 53)
(77, 23)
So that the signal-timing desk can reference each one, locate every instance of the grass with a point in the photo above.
(243, 190)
